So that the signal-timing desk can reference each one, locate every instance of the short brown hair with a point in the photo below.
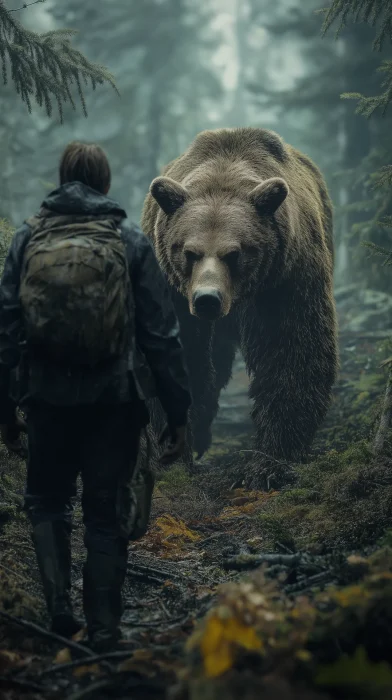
(87, 163)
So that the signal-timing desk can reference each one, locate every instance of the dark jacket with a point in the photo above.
(157, 330)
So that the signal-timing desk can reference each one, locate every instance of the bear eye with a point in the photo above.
(231, 259)
(192, 256)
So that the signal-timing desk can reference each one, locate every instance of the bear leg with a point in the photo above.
(290, 349)
(206, 402)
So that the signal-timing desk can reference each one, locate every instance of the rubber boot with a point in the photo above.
(103, 578)
(53, 550)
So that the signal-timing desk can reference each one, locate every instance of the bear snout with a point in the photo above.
(207, 303)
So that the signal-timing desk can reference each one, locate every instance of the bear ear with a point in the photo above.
(169, 194)
(269, 195)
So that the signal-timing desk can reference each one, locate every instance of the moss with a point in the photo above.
(173, 478)
(300, 496)
(342, 499)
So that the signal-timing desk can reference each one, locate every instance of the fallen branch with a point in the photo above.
(309, 582)
(385, 425)
(150, 570)
(252, 561)
(45, 634)
(90, 690)
(109, 656)
(145, 576)
(22, 685)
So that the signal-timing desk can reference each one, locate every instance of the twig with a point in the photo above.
(141, 568)
(385, 420)
(165, 610)
(147, 578)
(25, 685)
(25, 5)
(264, 454)
(14, 573)
(146, 625)
(307, 583)
(251, 561)
(109, 656)
(86, 692)
(47, 635)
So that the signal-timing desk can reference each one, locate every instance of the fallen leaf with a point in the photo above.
(88, 670)
(81, 635)
(9, 659)
(222, 637)
(63, 656)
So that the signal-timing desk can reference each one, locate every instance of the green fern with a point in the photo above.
(46, 67)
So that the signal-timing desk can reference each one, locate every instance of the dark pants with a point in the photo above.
(100, 442)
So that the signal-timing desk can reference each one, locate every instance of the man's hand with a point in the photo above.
(10, 434)
(176, 446)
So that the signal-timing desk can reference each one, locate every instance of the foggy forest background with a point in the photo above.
(182, 67)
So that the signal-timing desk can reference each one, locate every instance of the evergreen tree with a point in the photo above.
(160, 53)
(312, 116)
(45, 67)
(373, 172)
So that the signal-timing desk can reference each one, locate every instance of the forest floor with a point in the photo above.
(281, 592)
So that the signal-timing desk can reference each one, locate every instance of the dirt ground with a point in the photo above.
(279, 591)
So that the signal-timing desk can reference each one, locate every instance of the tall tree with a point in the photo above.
(312, 115)
(160, 53)
(372, 177)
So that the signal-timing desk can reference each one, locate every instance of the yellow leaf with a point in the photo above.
(88, 670)
(79, 636)
(222, 660)
(220, 641)
(63, 656)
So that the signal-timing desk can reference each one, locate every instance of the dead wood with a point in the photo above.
(252, 561)
(46, 634)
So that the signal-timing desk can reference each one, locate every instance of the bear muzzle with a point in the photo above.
(207, 303)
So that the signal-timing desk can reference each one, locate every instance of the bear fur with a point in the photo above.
(242, 226)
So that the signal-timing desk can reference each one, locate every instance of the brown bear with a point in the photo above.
(242, 227)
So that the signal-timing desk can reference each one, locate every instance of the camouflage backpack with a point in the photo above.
(74, 290)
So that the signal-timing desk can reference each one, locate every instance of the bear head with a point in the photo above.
(217, 245)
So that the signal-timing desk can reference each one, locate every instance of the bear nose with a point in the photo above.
(207, 303)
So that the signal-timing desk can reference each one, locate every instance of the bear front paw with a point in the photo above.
(202, 439)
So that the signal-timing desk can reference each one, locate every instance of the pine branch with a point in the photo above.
(372, 12)
(46, 67)
(379, 250)
(25, 5)
(368, 105)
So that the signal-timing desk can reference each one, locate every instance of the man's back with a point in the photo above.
(156, 329)
(85, 417)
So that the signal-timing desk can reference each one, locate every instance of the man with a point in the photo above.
(72, 327)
